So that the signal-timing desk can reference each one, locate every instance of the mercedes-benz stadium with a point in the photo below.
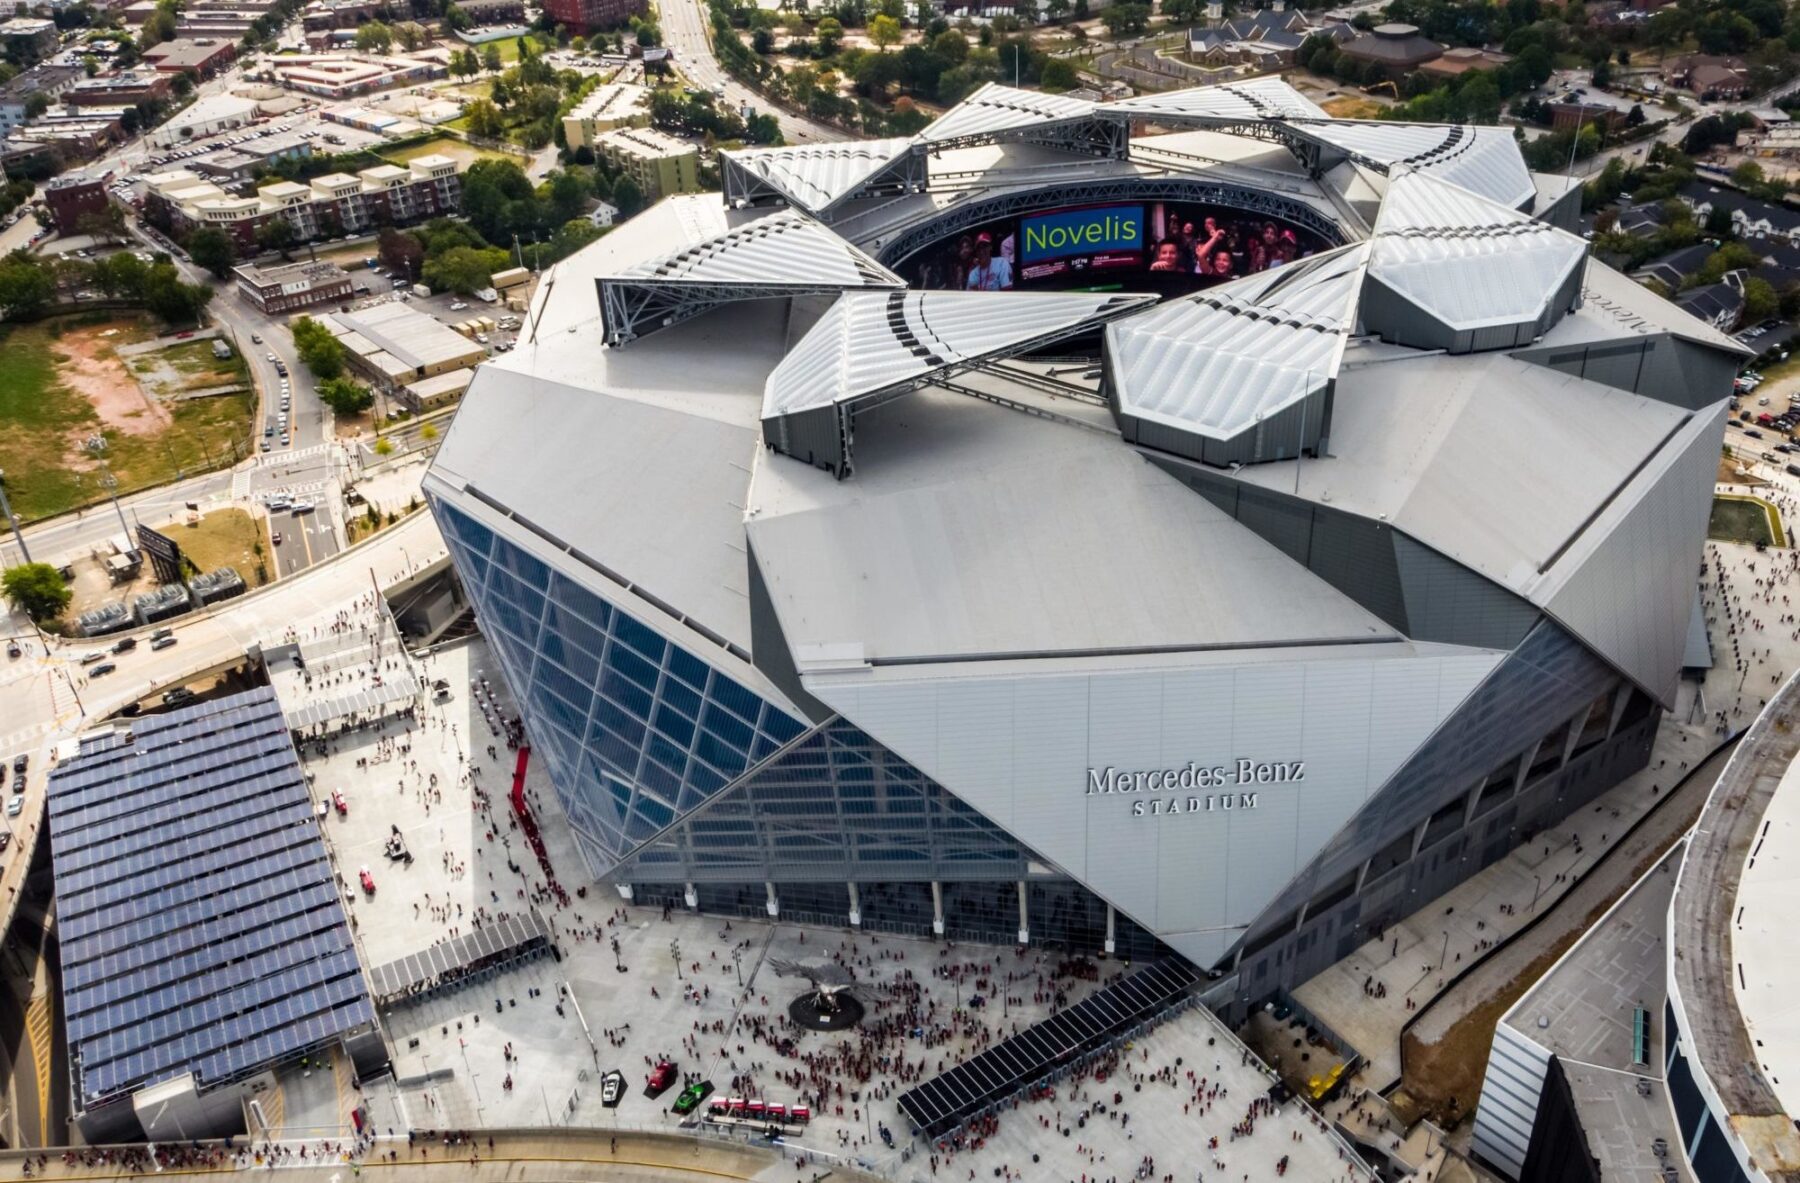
(1190, 523)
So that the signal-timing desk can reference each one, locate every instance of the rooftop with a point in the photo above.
(414, 339)
(646, 142)
(312, 274)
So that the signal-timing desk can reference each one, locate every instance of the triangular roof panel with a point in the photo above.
(1218, 361)
(818, 176)
(869, 343)
(1468, 261)
(995, 108)
(1483, 160)
(1254, 98)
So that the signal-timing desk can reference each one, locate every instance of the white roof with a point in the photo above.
(1490, 460)
(874, 341)
(784, 248)
(1467, 260)
(1217, 361)
(1254, 98)
(814, 176)
(1483, 160)
(974, 529)
(996, 108)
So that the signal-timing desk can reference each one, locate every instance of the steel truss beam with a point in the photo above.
(1087, 135)
(631, 308)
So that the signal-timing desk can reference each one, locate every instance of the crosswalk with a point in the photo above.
(271, 459)
(240, 484)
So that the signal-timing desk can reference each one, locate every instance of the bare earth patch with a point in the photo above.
(91, 369)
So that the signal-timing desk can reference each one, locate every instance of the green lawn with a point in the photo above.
(463, 153)
(43, 422)
(1748, 520)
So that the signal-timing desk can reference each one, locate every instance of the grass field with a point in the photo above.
(45, 416)
(227, 538)
(1748, 520)
(455, 149)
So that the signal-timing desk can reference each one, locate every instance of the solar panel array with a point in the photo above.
(200, 924)
(945, 1102)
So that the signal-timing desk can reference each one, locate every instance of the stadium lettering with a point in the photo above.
(1188, 778)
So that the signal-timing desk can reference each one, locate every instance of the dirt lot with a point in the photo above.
(90, 369)
(1352, 108)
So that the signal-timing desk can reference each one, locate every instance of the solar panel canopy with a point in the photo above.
(200, 924)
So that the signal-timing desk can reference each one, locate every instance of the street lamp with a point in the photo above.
(7, 507)
(675, 952)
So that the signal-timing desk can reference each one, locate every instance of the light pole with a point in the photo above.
(7, 507)
(675, 952)
(1537, 885)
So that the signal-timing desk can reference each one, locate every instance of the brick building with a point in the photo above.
(337, 203)
(201, 57)
(585, 16)
(71, 197)
(295, 286)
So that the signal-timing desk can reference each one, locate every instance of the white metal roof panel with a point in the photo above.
(873, 341)
(784, 248)
(1219, 360)
(996, 108)
(814, 176)
(974, 529)
(1483, 160)
(1494, 462)
(1253, 98)
(1467, 260)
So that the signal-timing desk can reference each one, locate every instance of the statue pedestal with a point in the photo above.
(816, 1012)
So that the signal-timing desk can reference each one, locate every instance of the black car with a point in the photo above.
(21, 762)
(125, 645)
(1753, 433)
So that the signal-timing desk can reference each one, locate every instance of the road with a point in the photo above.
(685, 24)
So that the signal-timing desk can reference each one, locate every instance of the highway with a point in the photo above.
(685, 24)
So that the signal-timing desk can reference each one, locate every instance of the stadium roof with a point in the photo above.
(1469, 261)
(816, 177)
(995, 109)
(722, 260)
(1483, 160)
(1221, 360)
(873, 342)
(200, 923)
(1253, 98)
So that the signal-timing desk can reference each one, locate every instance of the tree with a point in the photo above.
(168, 297)
(884, 31)
(159, 28)
(374, 37)
(345, 397)
(428, 432)
(1125, 20)
(627, 196)
(276, 234)
(211, 248)
(484, 118)
(38, 588)
(1058, 75)
(36, 104)
(402, 253)
(411, 35)
(762, 41)
(830, 32)
(1718, 222)
(26, 286)
(490, 57)
(1760, 300)
(463, 269)
(319, 349)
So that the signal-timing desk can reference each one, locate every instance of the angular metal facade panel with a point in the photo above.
(1446, 601)
(1550, 679)
(1632, 594)
(1509, 1099)
(1204, 857)
(1661, 366)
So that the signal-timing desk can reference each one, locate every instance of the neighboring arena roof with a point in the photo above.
(1253, 98)
(816, 177)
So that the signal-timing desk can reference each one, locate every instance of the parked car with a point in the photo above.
(612, 1089)
(661, 1078)
(691, 1096)
(368, 881)
(338, 803)
(16, 806)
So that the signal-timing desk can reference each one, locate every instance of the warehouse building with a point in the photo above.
(394, 347)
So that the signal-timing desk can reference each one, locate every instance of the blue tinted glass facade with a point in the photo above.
(836, 805)
(636, 730)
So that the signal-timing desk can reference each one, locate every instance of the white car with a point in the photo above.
(457, 306)
(16, 806)
(271, 357)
